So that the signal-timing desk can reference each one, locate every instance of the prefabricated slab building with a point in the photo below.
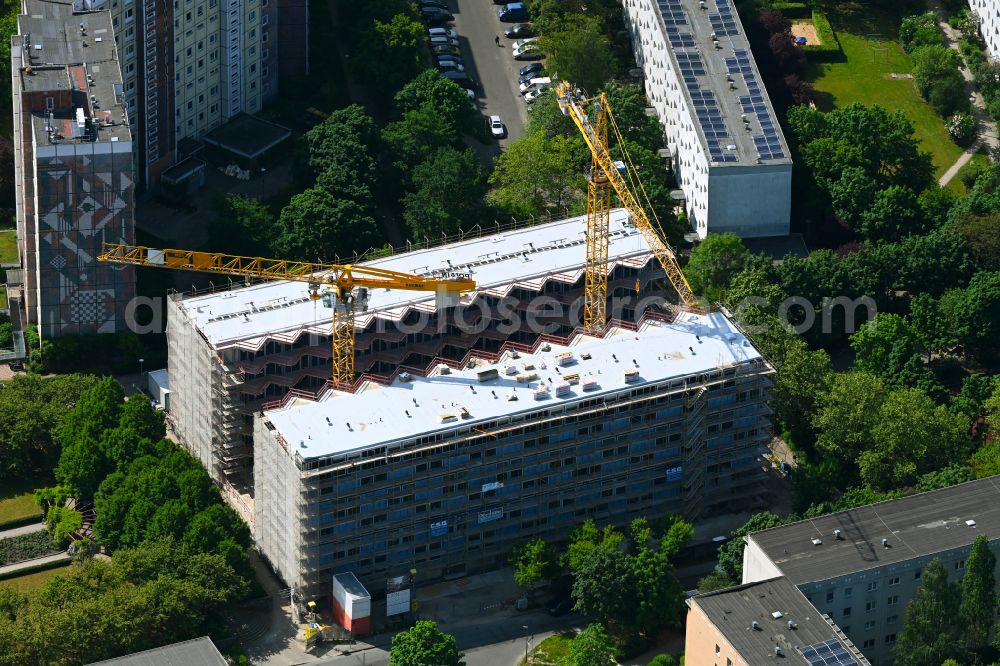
(444, 473)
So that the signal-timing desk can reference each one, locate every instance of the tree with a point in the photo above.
(951, 475)
(658, 597)
(774, 22)
(929, 635)
(347, 137)
(978, 313)
(662, 660)
(579, 51)
(316, 226)
(932, 262)
(845, 419)
(416, 136)
(424, 644)
(715, 581)
(592, 647)
(979, 599)
(446, 97)
(911, 436)
(931, 326)
(391, 54)
(982, 234)
(447, 194)
(731, 552)
(534, 561)
(714, 262)
(890, 348)
(537, 174)
(803, 378)
(918, 31)
(894, 213)
(991, 408)
(586, 538)
(939, 81)
(790, 58)
(242, 225)
(604, 587)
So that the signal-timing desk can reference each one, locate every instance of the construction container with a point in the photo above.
(352, 605)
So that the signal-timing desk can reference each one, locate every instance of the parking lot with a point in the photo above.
(493, 66)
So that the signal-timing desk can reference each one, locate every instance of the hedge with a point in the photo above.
(793, 10)
(829, 46)
(44, 566)
(21, 522)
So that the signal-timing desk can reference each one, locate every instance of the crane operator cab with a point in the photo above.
(357, 299)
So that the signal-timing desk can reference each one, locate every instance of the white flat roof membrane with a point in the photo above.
(377, 414)
(525, 256)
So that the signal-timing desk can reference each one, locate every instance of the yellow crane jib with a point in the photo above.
(337, 279)
(606, 175)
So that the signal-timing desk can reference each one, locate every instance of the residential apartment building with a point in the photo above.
(988, 12)
(728, 152)
(191, 65)
(758, 622)
(862, 567)
(233, 353)
(73, 169)
(443, 473)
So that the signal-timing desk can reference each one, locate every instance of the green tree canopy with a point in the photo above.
(731, 552)
(391, 53)
(580, 51)
(347, 137)
(894, 213)
(242, 225)
(929, 634)
(714, 262)
(447, 194)
(534, 561)
(316, 226)
(936, 73)
(424, 644)
(982, 234)
(604, 587)
(891, 348)
(536, 175)
(446, 97)
(978, 606)
(803, 378)
(586, 538)
(846, 416)
(918, 31)
(592, 647)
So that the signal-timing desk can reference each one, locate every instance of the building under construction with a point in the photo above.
(444, 473)
(235, 352)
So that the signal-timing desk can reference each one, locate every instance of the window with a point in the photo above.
(893, 600)
(872, 586)
(890, 639)
(829, 596)
(717, 649)
(959, 565)
(253, 16)
(869, 625)
(50, 103)
(263, 36)
(265, 19)
(916, 575)
(729, 662)
(870, 606)
(869, 644)
(848, 591)
(894, 581)
(891, 619)
(847, 612)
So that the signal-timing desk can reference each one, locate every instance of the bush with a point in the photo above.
(662, 660)
(793, 10)
(62, 522)
(829, 46)
(936, 73)
(918, 31)
(25, 547)
(962, 128)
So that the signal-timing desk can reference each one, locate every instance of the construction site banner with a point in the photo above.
(397, 598)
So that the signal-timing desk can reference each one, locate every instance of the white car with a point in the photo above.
(532, 95)
(519, 44)
(442, 32)
(497, 128)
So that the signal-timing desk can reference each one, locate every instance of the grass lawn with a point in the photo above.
(33, 581)
(552, 651)
(864, 77)
(8, 247)
(18, 507)
(956, 185)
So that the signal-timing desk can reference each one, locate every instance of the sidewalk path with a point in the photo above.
(24, 529)
(987, 129)
(27, 564)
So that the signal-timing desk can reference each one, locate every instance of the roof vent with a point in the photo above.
(511, 397)
(405, 377)
(510, 370)
(589, 384)
(777, 650)
(541, 393)
(837, 536)
(817, 541)
(444, 369)
(755, 625)
(776, 615)
(487, 375)
(885, 543)
(792, 625)
(970, 523)
(631, 375)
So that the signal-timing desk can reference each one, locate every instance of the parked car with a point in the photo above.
(445, 49)
(518, 30)
(527, 52)
(453, 59)
(442, 32)
(437, 4)
(435, 16)
(532, 69)
(561, 607)
(450, 66)
(442, 39)
(531, 75)
(532, 95)
(514, 11)
(496, 127)
(521, 43)
(462, 79)
(539, 83)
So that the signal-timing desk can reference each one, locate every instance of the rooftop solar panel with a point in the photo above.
(828, 653)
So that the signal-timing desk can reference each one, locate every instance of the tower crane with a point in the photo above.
(343, 287)
(605, 177)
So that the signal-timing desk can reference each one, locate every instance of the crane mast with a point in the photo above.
(604, 177)
(347, 285)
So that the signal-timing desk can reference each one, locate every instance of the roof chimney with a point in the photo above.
(755, 625)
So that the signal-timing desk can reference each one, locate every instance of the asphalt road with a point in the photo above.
(478, 26)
